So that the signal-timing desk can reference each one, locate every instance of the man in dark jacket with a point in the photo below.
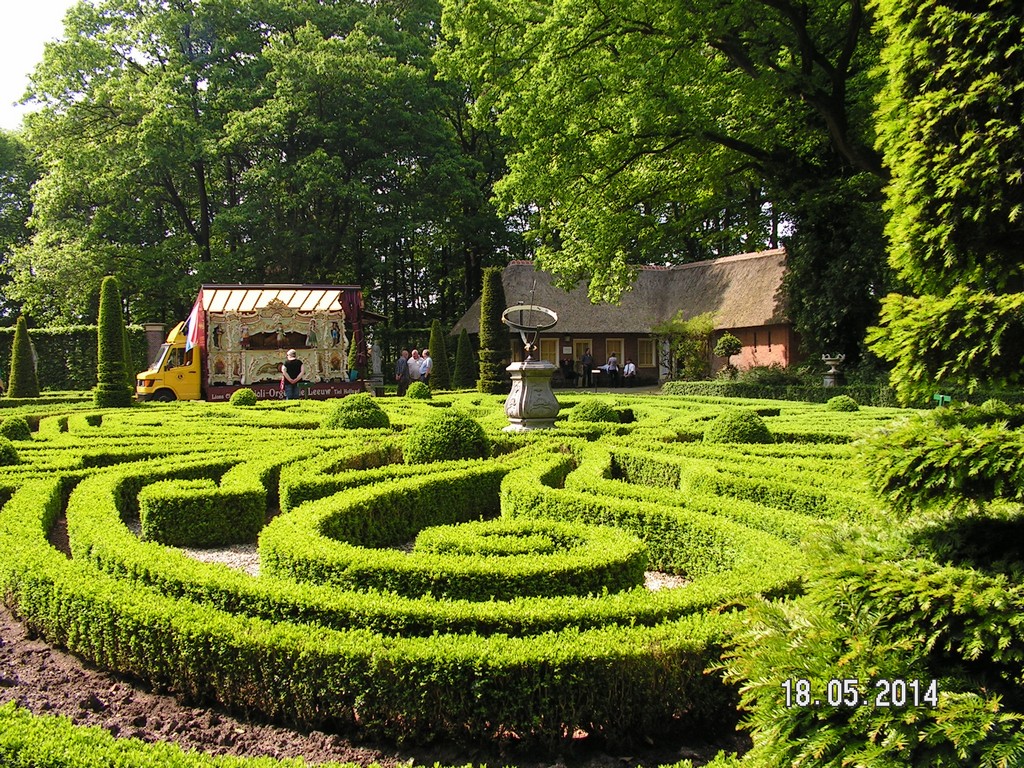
(587, 361)
(402, 372)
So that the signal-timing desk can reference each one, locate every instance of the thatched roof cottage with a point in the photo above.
(744, 292)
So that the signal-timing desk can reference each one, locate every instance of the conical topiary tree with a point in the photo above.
(440, 375)
(353, 355)
(23, 381)
(464, 375)
(493, 335)
(111, 388)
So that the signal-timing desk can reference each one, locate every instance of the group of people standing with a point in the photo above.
(412, 366)
(611, 368)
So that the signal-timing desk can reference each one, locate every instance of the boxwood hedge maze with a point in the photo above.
(476, 599)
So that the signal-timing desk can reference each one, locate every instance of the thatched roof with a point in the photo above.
(743, 291)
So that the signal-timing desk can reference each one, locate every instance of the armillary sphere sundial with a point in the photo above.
(527, 319)
(531, 404)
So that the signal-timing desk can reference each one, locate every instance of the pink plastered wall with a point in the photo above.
(764, 345)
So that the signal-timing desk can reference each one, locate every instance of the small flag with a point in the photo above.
(192, 336)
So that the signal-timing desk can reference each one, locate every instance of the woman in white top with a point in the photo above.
(426, 366)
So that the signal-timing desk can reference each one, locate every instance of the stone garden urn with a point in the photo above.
(832, 375)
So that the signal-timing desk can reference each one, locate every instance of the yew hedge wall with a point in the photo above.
(66, 357)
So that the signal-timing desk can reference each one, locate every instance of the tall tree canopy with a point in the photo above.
(255, 140)
(18, 172)
(679, 129)
(950, 125)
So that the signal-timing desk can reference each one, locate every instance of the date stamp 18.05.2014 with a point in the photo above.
(893, 692)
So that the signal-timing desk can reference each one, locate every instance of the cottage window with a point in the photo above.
(645, 353)
(549, 350)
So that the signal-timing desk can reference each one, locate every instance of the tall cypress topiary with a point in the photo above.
(464, 375)
(111, 388)
(441, 375)
(23, 380)
(493, 335)
(353, 355)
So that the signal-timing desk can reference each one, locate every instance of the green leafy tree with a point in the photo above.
(727, 346)
(689, 343)
(466, 369)
(494, 345)
(112, 390)
(934, 594)
(673, 131)
(23, 381)
(950, 126)
(278, 141)
(440, 377)
(133, 182)
(18, 172)
(875, 609)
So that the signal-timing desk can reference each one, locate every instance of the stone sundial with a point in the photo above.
(531, 404)
(529, 319)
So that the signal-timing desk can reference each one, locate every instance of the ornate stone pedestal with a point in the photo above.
(531, 404)
(833, 378)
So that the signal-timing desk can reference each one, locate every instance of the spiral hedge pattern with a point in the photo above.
(520, 613)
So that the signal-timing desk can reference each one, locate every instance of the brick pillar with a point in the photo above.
(156, 334)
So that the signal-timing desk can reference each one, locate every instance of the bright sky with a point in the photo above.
(24, 26)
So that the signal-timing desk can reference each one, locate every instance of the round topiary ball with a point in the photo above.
(243, 397)
(445, 436)
(594, 410)
(359, 411)
(842, 403)
(418, 391)
(8, 453)
(15, 428)
(737, 426)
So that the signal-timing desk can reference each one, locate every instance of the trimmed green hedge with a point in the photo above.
(66, 357)
(738, 426)
(344, 540)
(358, 411)
(601, 472)
(878, 394)
(445, 436)
(609, 681)
(56, 742)
(389, 651)
(97, 535)
(679, 541)
(773, 488)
